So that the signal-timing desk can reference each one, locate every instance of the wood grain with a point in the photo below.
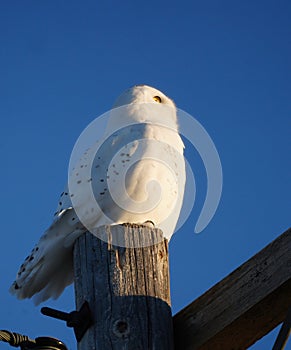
(244, 306)
(127, 288)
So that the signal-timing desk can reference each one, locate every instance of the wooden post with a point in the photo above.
(244, 306)
(127, 289)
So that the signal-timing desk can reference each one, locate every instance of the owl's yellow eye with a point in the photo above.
(157, 99)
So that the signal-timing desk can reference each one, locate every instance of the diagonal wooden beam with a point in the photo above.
(244, 306)
(284, 333)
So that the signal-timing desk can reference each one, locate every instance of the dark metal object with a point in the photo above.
(44, 343)
(14, 339)
(25, 343)
(284, 333)
(80, 320)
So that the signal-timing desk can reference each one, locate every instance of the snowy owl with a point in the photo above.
(134, 173)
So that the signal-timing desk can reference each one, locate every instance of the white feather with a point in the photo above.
(154, 136)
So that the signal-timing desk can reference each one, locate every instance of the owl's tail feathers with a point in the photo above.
(44, 280)
(55, 286)
(47, 271)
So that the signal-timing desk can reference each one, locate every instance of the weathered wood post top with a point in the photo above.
(125, 279)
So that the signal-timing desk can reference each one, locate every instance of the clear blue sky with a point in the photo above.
(225, 62)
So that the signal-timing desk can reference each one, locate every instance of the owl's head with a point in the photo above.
(143, 104)
(143, 94)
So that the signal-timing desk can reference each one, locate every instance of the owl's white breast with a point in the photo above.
(138, 175)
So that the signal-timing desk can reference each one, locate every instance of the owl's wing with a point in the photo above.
(48, 269)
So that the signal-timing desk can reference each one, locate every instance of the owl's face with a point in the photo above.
(142, 104)
(143, 94)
